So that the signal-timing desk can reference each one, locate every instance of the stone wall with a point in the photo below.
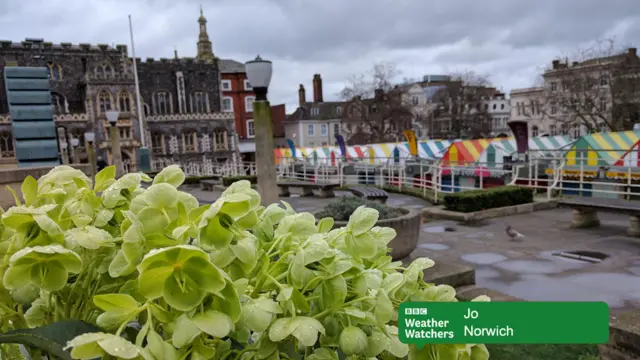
(15, 177)
(624, 338)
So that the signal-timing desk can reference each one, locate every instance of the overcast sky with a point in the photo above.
(510, 40)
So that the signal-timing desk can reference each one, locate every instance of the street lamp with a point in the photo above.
(116, 154)
(89, 138)
(74, 153)
(259, 76)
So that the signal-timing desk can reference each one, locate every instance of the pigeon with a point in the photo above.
(514, 235)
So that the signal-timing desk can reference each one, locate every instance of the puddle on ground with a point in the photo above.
(538, 266)
(487, 273)
(635, 270)
(612, 288)
(483, 258)
(434, 246)
(438, 229)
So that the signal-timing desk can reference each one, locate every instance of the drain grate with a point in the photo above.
(593, 257)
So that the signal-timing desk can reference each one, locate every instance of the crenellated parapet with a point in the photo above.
(124, 77)
(221, 116)
(67, 47)
(179, 61)
(59, 118)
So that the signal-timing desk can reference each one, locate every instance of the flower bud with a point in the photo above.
(353, 341)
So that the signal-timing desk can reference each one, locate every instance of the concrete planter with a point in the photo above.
(407, 228)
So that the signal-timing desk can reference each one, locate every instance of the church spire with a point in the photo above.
(205, 51)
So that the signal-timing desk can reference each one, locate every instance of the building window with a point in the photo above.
(554, 110)
(604, 80)
(125, 132)
(103, 71)
(495, 106)
(161, 103)
(310, 130)
(374, 109)
(324, 143)
(226, 85)
(147, 112)
(518, 107)
(59, 104)
(104, 102)
(415, 100)
(564, 129)
(338, 110)
(315, 111)
(251, 130)
(323, 129)
(554, 87)
(336, 129)
(157, 143)
(220, 140)
(603, 127)
(190, 141)
(603, 104)
(534, 131)
(553, 130)
(198, 103)
(227, 104)
(55, 71)
(124, 101)
(6, 145)
(247, 85)
(576, 131)
(248, 103)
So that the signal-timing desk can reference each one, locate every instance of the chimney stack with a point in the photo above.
(633, 52)
(317, 88)
(302, 96)
(555, 63)
(379, 94)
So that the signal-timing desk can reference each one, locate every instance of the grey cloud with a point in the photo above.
(510, 40)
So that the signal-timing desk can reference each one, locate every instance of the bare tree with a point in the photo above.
(459, 107)
(375, 110)
(600, 89)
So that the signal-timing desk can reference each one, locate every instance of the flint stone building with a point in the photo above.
(183, 121)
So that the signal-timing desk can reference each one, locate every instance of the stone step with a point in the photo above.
(470, 292)
(443, 273)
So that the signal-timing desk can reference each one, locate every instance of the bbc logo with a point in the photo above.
(415, 311)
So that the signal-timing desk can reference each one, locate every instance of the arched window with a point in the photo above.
(6, 145)
(157, 143)
(124, 101)
(161, 103)
(198, 102)
(104, 102)
(59, 103)
(104, 70)
(534, 131)
(190, 141)
(564, 129)
(553, 130)
(145, 107)
(576, 131)
(220, 140)
(55, 71)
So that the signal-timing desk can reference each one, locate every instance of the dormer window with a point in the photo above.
(315, 111)
(338, 110)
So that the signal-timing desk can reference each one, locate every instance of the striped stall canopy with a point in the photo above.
(465, 152)
(357, 152)
(494, 154)
(601, 149)
(433, 149)
(282, 155)
(387, 152)
(630, 158)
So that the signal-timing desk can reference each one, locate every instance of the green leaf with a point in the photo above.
(360, 246)
(325, 225)
(172, 175)
(323, 354)
(303, 328)
(15, 196)
(115, 302)
(92, 345)
(362, 220)
(50, 339)
(185, 331)
(161, 349)
(353, 341)
(214, 323)
(29, 190)
(334, 292)
(104, 178)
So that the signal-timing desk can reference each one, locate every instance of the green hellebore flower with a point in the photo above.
(353, 341)
(63, 179)
(94, 345)
(182, 275)
(303, 328)
(88, 237)
(34, 223)
(47, 267)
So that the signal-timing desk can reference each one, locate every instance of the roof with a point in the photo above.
(601, 149)
(327, 110)
(231, 66)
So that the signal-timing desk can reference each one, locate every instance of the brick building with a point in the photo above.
(182, 100)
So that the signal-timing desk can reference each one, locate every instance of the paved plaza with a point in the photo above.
(526, 269)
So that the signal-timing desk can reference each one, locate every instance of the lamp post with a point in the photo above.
(74, 150)
(64, 152)
(89, 138)
(259, 76)
(116, 154)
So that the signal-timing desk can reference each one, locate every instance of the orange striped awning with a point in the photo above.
(465, 152)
